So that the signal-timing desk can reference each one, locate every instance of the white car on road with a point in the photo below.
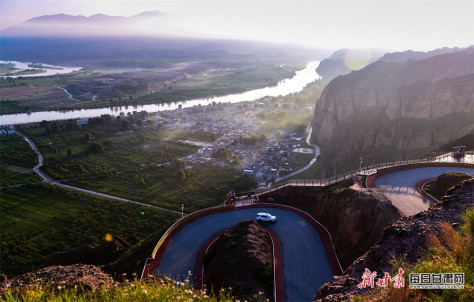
(265, 217)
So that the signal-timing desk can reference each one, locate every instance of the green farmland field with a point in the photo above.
(38, 220)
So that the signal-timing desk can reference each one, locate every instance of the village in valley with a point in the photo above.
(239, 139)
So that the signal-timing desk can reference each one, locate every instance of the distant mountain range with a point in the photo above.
(102, 40)
(96, 25)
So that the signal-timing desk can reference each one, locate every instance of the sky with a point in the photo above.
(398, 25)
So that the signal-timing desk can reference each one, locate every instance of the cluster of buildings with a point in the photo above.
(267, 159)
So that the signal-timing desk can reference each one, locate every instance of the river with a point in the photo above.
(287, 86)
(50, 69)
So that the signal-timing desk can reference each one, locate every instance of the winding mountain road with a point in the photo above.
(400, 186)
(304, 259)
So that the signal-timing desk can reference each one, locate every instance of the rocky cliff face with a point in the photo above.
(391, 111)
(355, 217)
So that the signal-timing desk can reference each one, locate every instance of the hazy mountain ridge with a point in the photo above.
(390, 111)
(66, 25)
(67, 40)
(417, 55)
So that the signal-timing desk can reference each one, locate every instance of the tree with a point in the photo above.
(69, 151)
(178, 164)
(180, 175)
(142, 138)
(236, 161)
(96, 148)
(222, 154)
(125, 124)
(212, 137)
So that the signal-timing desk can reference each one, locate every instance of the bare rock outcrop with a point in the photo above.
(446, 180)
(405, 239)
(394, 110)
(88, 277)
(242, 258)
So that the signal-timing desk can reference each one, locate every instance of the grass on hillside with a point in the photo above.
(310, 173)
(151, 290)
(203, 186)
(451, 252)
(40, 219)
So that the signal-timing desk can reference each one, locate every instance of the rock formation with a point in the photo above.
(392, 111)
(86, 276)
(405, 239)
(242, 258)
(446, 180)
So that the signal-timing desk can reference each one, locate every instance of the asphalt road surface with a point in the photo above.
(305, 263)
(400, 187)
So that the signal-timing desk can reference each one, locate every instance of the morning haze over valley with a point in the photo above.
(236, 150)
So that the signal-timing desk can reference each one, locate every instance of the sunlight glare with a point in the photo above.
(358, 58)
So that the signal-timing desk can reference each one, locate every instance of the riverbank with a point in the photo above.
(17, 69)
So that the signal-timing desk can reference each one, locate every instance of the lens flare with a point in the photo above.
(358, 58)
(108, 237)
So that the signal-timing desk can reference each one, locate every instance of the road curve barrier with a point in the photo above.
(368, 170)
(152, 263)
(371, 171)
(369, 183)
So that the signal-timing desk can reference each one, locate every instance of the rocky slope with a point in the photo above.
(79, 275)
(391, 111)
(242, 258)
(405, 239)
(355, 217)
(446, 180)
